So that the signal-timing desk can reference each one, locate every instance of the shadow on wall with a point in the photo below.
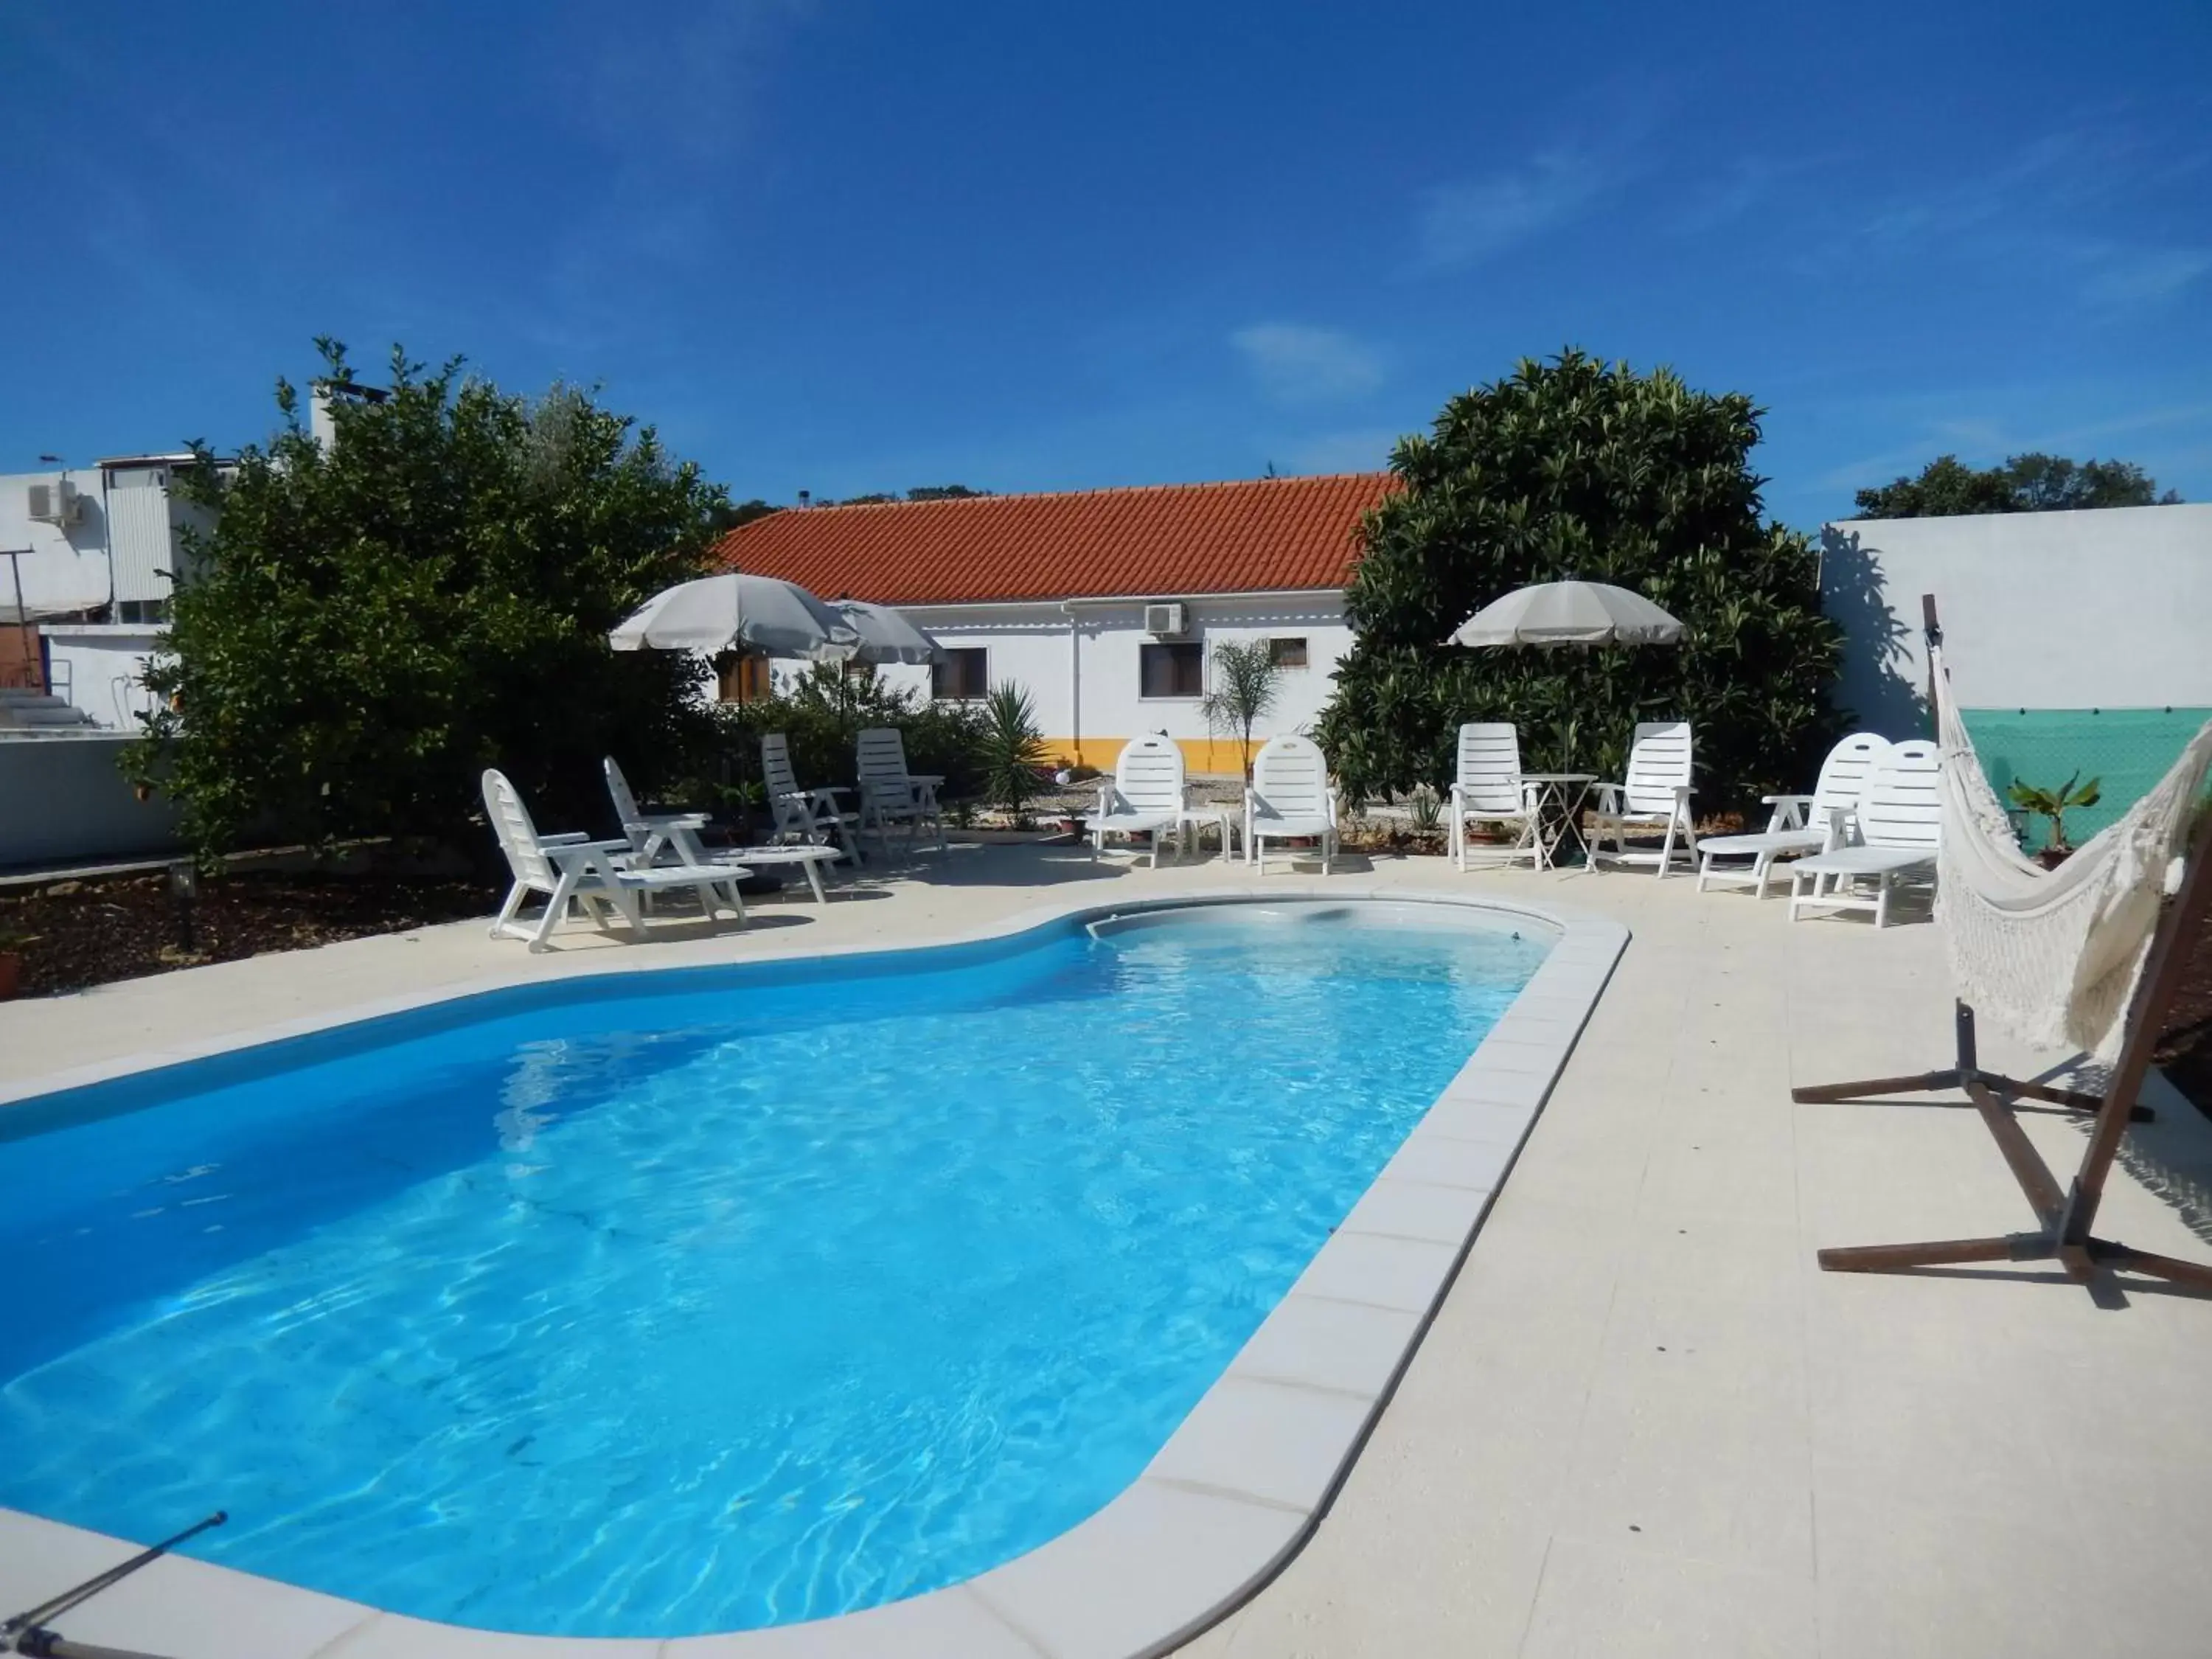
(1876, 685)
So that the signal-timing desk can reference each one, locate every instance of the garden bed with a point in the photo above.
(92, 931)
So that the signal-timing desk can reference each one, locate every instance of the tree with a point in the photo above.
(1012, 751)
(1245, 681)
(368, 626)
(944, 493)
(2033, 483)
(728, 515)
(1576, 468)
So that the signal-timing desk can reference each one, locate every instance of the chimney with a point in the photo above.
(320, 427)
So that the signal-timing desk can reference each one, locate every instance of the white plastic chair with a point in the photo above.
(1653, 800)
(1289, 796)
(1490, 790)
(1795, 824)
(570, 868)
(890, 794)
(1145, 798)
(677, 834)
(812, 816)
(1897, 829)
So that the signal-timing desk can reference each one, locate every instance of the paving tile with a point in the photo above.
(1156, 1561)
(1418, 1209)
(1279, 1442)
(1386, 1273)
(948, 1624)
(1630, 1601)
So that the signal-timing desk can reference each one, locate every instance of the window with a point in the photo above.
(961, 676)
(1287, 653)
(743, 679)
(1174, 668)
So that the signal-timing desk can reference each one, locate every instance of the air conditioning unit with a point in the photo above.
(55, 503)
(1167, 620)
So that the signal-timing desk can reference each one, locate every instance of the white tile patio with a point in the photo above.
(1642, 1422)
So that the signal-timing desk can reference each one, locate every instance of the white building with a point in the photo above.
(89, 557)
(1104, 605)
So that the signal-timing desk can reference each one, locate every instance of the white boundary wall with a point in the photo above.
(2109, 609)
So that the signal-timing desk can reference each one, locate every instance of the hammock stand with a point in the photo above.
(2064, 1217)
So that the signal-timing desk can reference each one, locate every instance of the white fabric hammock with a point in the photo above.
(2053, 955)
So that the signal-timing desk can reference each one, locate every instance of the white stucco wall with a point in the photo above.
(1089, 692)
(101, 669)
(2109, 609)
(64, 568)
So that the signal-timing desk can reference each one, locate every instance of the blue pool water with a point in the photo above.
(700, 1301)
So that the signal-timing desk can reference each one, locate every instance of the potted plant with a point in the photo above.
(12, 946)
(2055, 804)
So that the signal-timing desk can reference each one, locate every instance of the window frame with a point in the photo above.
(981, 652)
(1197, 649)
(1304, 643)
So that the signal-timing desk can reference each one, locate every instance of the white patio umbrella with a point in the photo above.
(736, 611)
(1569, 613)
(885, 635)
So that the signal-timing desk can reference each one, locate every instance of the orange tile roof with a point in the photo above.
(1164, 541)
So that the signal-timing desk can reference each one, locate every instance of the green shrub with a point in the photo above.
(1575, 469)
(821, 718)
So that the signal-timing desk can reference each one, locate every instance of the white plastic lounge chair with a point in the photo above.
(595, 874)
(1898, 829)
(1655, 800)
(890, 794)
(810, 816)
(1795, 824)
(1490, 790)
(676, 837)
(1145, 797)
(1289, 796)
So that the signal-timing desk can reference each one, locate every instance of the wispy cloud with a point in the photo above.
(1463, 224)
(1296, 364)
(2030, 211)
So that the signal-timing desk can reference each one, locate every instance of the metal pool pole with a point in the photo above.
(27, 1632)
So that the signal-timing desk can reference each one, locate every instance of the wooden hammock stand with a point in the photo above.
(2064, 1217)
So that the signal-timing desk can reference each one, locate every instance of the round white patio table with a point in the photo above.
(1559, 798)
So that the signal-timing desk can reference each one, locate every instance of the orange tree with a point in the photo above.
(1580, 469)
(368, 625)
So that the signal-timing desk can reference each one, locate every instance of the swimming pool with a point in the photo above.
(705, 1300)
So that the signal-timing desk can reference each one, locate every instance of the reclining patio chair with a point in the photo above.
(890, 794)
(1818, 823)
(1898, 827)
(812, 816)
(1653, 800)
(1490, 790)
(599, 875)
(1144, 796)
(1289, 797)
(674, 836)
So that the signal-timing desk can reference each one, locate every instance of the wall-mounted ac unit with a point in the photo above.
(1167, 620)
(55, 503)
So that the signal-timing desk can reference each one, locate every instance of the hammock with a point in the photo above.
(2053, 955)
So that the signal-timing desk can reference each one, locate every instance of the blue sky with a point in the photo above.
(844, 247)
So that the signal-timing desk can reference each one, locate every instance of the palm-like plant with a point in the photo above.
(1012, 751)
(2055, 804)
(1244, 686)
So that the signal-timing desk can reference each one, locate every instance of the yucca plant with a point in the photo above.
(2055, 804)
(1013, 752)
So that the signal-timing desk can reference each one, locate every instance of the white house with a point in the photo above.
(1103, 604)
(87, 559)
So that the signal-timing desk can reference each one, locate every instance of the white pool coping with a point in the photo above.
(1226, 1502)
